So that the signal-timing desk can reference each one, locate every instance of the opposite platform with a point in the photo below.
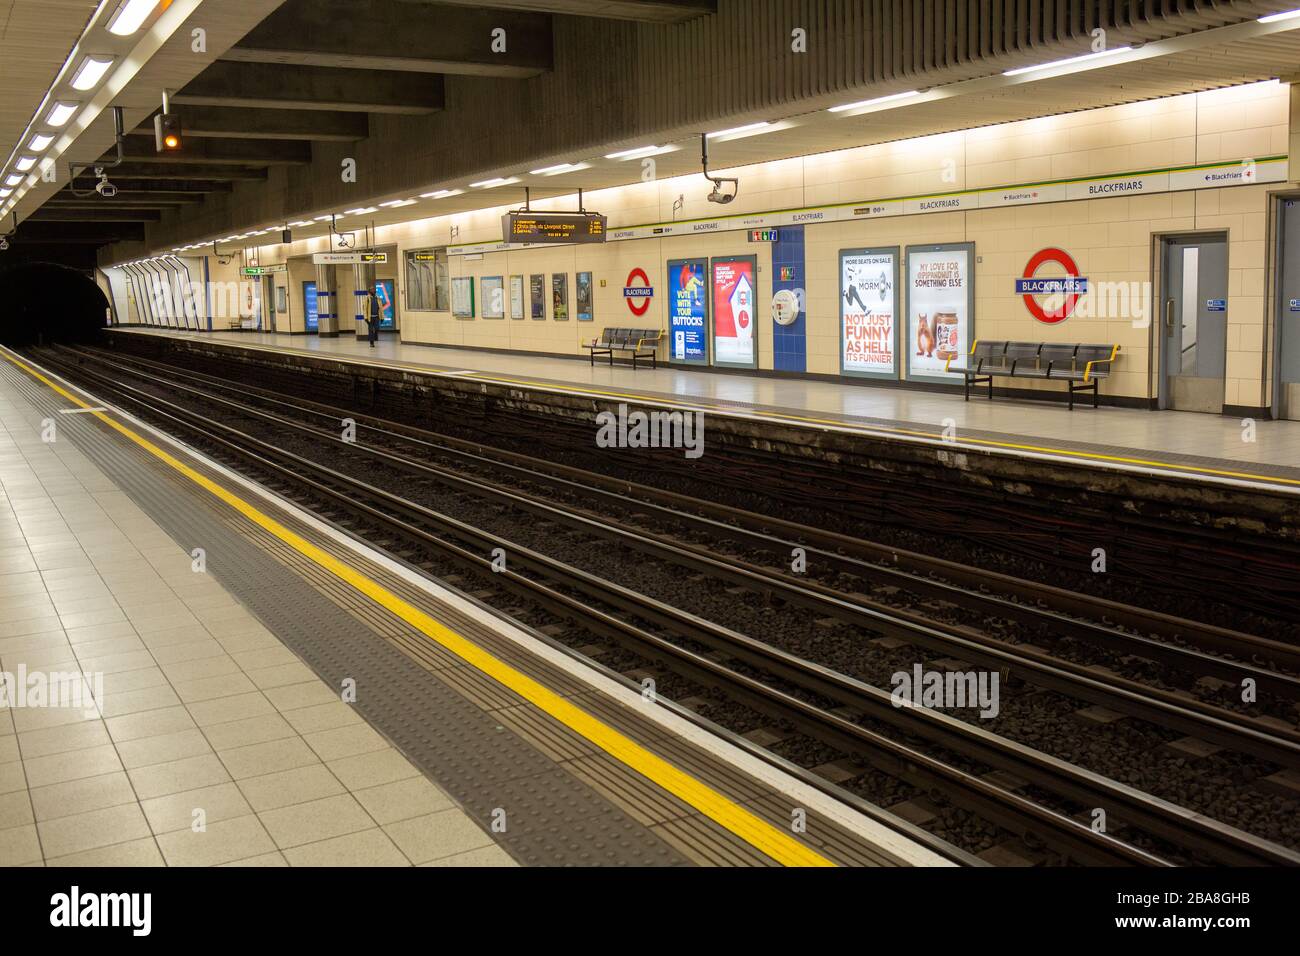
(1206, 447)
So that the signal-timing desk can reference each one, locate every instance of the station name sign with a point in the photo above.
(264, 270)
(556, 227)
(343, 258)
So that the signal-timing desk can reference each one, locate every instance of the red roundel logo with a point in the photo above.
(638, 291)
(1065, 289)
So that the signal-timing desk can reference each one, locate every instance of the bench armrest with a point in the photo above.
(1087, 369)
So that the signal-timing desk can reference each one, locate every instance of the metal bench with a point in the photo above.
(1080, 366)
(638, 343)
(605, 344)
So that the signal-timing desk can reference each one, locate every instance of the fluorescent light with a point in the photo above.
(490, 183)
(90, 72)
(873, 102)
(1066, 62)
(61, 113)
(441, 194)
(560, 168)
(24, 164)
(13, 180)
(394, 203)
(324, 218)
(749, 128)
(129, 16)
(1275, 17)
(360, 210)
(638, 153)
(6, 193)
(300, 222)
(40, 141)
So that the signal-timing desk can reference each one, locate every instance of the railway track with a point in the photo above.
(830, 706)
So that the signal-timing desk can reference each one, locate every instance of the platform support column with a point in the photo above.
(327, 304)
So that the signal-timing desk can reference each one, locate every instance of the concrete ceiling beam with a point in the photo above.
(391, 35)
(279, 86)
(139, 147)
(109, 212)
(647, 11)
(185, 172)
(208, 122)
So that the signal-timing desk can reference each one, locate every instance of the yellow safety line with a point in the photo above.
(783, 416)
(752, 829)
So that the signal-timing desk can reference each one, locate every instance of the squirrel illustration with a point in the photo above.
(924, 337)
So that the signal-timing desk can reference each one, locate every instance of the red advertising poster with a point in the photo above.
(735, 290)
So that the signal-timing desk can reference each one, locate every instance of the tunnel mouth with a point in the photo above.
(43, 302)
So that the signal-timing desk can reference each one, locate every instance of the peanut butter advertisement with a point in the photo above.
(938, 308)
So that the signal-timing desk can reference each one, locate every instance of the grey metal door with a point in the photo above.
(1194, 329)
(1287, 376)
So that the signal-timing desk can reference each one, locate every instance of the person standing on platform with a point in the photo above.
(373, 320)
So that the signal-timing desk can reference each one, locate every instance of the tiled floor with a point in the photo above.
(212, 743)
(1163, 432)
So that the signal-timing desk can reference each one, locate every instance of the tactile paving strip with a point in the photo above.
(551, 817)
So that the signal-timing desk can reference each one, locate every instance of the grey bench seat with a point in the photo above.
(1081, 366)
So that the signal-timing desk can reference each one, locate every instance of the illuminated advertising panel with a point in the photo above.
(387, 310)
(734, 289)
(940, 308)
(688, 311)
(869, 312)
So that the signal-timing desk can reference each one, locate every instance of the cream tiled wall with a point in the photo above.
(1110, 239)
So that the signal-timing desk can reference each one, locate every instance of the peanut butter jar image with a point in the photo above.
(945, 336)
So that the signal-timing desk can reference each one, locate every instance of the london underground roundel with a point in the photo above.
(638, 292)
(1066, 289)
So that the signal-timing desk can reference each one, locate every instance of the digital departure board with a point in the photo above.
(552, 227)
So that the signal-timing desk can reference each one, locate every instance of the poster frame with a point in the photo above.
(713, 344)
(969, 248)
(560, 295)
(517, 295)
(708, 311)
(486, 283)
(899, 316)
(578, 314)
(463, 282)
(537, 296)
(310, 316)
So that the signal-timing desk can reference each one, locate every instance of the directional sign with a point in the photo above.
(342, 258)
(264, 270)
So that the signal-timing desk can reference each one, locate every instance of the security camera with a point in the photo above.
(105, 188)
(4, 244)
(719, 196)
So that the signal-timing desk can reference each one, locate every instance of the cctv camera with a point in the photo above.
(105, 188)
(718, 196)
(4, 244)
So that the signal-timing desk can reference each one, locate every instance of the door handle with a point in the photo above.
(1169, 316)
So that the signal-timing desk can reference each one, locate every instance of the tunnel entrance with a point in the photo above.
(42, 302)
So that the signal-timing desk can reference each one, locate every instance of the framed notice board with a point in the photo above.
(462, 297)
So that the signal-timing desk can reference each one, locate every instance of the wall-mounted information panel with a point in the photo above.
(552, 227)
